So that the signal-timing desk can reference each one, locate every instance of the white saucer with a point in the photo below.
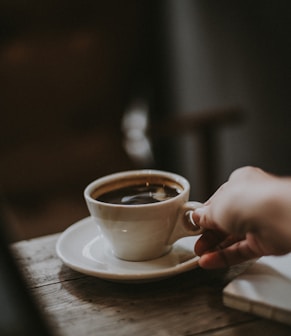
(82, 248)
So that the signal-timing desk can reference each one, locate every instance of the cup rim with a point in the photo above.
(182, 181)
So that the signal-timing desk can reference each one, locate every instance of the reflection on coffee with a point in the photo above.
(139, 194)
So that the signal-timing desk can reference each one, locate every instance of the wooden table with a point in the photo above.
(187, 304)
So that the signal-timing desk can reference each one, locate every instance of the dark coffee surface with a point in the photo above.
(139, 194)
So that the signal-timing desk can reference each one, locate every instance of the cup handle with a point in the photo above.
(185, 225)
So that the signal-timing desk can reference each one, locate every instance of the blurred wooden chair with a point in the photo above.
(152, 143)
(205, 126)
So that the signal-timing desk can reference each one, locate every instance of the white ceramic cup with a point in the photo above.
(142, 231)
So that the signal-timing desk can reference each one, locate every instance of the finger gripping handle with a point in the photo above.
(185, 225)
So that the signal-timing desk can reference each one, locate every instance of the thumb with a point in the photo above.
(202, 218)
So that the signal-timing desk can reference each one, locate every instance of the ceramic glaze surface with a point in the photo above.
(147, 231)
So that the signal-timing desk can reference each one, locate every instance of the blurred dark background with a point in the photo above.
(93, 87)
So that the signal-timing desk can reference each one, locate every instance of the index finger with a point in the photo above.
(232, 255)
(209, 241)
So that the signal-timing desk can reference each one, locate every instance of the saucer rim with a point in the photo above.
(153, 275)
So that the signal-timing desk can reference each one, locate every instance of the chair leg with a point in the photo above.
(208, 165)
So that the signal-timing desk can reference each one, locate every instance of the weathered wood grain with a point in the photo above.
(188, 304)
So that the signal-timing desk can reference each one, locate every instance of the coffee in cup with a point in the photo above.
(141, 213)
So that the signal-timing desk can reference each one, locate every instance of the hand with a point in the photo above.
(248, 217)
